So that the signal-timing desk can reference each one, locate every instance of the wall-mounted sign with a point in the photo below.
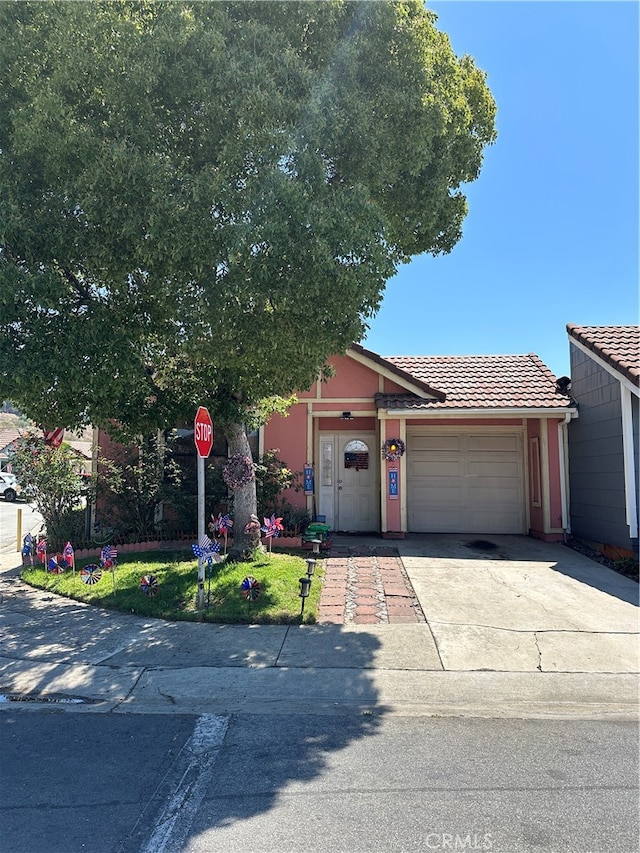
(393, 483)
(308, 480)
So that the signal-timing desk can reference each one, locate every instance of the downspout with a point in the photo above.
(564, 468)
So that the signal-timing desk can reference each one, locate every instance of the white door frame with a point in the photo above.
(330, 446)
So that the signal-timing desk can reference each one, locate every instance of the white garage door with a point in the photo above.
(464, 482)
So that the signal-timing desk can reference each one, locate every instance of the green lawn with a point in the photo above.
(279, 601)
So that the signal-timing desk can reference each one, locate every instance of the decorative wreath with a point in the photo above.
(393, 449)
(238, 470)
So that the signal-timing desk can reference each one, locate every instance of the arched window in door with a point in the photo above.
(356, 455)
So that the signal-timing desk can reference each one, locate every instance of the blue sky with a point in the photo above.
(552, 231)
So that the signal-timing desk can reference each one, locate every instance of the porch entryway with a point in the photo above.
(348, 481)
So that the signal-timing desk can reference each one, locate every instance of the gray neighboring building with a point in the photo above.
(603, 440)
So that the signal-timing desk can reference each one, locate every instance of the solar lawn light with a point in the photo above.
(311, 566)
(316, 545)
(305, 587)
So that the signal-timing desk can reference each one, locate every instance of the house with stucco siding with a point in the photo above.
(431, 444)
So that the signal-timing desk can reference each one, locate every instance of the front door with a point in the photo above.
(348, 488)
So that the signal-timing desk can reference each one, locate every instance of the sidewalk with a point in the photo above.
(533, 631)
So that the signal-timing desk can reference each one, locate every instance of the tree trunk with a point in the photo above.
(244, 499)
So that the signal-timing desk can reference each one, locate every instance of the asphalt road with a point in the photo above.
(116, 783)
(31, 521)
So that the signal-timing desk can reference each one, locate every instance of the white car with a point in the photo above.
(9, 487)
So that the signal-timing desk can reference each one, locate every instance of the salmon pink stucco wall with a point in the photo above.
(545, 521)
(288, 435)
(391, 429)
(555, 490)
(536, 513)
(351, 379)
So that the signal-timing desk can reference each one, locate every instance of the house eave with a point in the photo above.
(528, 412)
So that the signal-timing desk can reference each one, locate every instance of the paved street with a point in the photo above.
(31, 521)
(282, 783)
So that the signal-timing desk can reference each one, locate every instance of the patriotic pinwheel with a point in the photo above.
(57, 564)
(90, 574)
(205, 548)
(149, 585)
(272, 528)
(108, 557)
(250, 588)
(221, 525)
(69, 555)
(27, 548)
(41, 550)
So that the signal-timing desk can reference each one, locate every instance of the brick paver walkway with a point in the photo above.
(367, 588)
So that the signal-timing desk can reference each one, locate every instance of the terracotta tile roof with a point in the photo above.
(479, 382)
(619, 346)
(7, 436)
(400, 373)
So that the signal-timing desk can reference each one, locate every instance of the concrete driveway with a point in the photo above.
(515, 604)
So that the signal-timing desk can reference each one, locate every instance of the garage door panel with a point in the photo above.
(465, 483)
(440, 468)
(434, 442)
(487, 522)
(436, 495)
(504, 442)
(500, 469)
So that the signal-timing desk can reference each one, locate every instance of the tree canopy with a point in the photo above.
(200, 202)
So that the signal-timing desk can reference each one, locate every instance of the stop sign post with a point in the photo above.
(203, 438)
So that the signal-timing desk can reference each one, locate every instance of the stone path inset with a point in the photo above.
(367, 588)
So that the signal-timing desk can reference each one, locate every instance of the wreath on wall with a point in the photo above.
(237, 471)
(393, 449)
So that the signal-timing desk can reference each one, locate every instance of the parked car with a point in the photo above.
(9, 487)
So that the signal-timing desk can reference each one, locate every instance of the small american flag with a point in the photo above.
(68, 550)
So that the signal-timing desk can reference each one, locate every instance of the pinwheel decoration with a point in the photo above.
(205, 548)
(221, 526)
(272, 528)
(41, 550)
(250, 588)
(90, 574)
(149, 585)
(108, 557)
(27, 548)
(57, 564)
(69, 556)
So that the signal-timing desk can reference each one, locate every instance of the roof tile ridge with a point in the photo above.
(542, 367)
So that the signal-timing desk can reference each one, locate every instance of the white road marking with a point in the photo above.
(176, 820)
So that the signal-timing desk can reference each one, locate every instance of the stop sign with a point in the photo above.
(203, 431)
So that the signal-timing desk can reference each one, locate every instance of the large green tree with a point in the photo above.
(200, 202)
